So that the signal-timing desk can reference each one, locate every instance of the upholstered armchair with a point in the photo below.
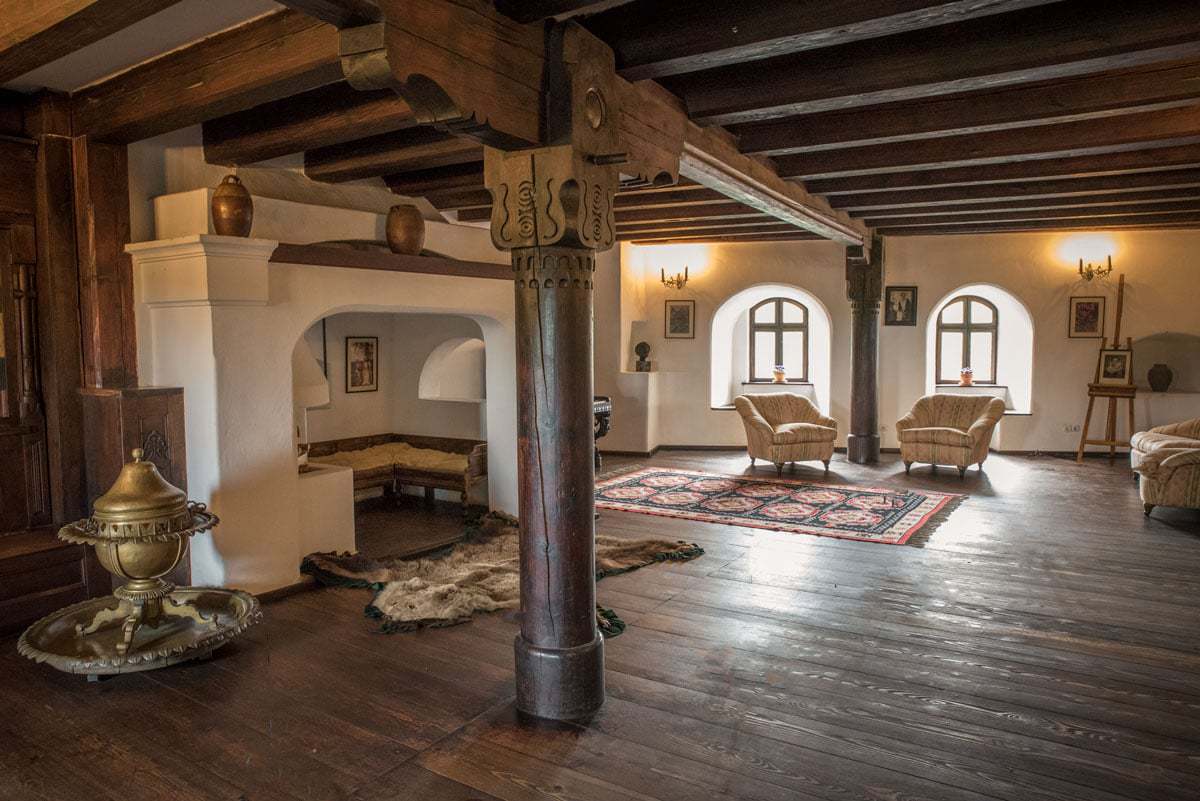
(949, 429)
(782, 427)
(1167, 461)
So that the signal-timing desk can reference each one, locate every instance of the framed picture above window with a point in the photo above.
(968, 332)
(1086, 319)
(778, 340)
(362, 364)
(900, 305)
(680, 319)
(1116, 366)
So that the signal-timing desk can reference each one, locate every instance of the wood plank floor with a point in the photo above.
(1044, 644)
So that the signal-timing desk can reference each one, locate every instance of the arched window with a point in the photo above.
(967, 336)
(779, 336)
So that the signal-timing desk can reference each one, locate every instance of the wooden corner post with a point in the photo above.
(864, 287)
(552, 210)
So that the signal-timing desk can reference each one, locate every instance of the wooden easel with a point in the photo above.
(1114, 392)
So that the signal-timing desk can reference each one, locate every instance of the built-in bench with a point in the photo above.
(394, 461)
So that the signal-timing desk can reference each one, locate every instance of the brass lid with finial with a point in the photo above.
(140, 505)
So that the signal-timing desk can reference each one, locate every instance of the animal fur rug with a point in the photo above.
(479, 574)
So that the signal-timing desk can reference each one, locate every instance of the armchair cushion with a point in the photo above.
(937, 435)
(788, 433)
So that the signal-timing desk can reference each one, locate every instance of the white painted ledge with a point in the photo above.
(202, 270)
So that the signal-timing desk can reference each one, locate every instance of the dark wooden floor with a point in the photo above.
(1044, 644)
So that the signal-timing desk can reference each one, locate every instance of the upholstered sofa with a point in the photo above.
(1167, 461)
(949, 429)
(783, 427)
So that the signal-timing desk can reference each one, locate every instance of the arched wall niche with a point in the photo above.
(1014, 337)
(1180, 352)
(455, 371)
(729, 356)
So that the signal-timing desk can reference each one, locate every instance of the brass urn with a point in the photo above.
(140, 529)
(406, 230)
(232, 208)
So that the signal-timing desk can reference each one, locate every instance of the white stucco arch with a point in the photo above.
(456, 370)
(1014, 364)
(727, 357)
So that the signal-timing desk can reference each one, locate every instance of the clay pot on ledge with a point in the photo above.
(232, 208)
(779, 375)
(1160, 377)
(966, 377)
(406, 230)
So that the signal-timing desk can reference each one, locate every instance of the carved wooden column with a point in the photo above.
(864, 286)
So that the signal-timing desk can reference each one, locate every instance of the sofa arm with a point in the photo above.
(1188, 428)
(822, 420)
(981, 429)
(906, 422)
(1180, 459)
(1158, 464)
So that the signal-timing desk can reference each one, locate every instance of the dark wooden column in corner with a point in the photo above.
(864, 287)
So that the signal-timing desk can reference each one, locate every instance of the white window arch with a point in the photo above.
(989, 329)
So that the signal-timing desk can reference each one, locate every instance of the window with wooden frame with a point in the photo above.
(967, 336)
(779, 336)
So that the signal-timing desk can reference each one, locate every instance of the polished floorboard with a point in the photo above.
(1043, 644)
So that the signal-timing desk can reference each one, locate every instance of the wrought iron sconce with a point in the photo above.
(677, 281)
(1094, 271)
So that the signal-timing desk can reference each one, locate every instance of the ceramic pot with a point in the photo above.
(780, 375)
(966, 378)
(232, 208)
(1160, 377)
(406, 230)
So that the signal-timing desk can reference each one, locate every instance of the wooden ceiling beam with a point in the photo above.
(35, 32)
(1059, 40)
(1133, 161)
(1168, 127)
(266, 59)
(458, 199)
(758, 226)
(339, 13)
(1122, 199)
(668, 37)
(455, 178)
(414, 148)
(795, 235)
(536, 10)
(322, 117)
(1063, 213)
(1091, 97)
(973, 193)
(1188, 220)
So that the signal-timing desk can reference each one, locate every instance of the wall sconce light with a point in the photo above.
(677, 281)
(1094, 271)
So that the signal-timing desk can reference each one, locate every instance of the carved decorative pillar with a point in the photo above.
(864, 286)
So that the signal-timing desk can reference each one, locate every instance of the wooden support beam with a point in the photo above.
(1113, 199)
(340, 13)
(535, 10)
(1188, 220)
(36, 32)
(1091, 213)
(1090, 97)
(418, 183)
(691, 196)
(972, 193)
(1058, 40)
(1165, 128)
(661, 38)
(321, 117)
(447, 199)
(389, 153)
(762, 225)
(794, 235)
(267, 59)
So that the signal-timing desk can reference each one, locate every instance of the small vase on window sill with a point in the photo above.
(966, 377)
(779, 374)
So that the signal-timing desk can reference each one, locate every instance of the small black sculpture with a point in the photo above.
(642, 349)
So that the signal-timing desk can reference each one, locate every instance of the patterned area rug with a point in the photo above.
(870, 514)
(479, 574)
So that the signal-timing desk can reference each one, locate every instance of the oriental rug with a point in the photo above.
(870, 514)
(478, 574)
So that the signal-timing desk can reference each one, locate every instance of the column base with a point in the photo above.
(560, 683)
(862, 448)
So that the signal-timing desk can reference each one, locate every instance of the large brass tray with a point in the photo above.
(224, 614)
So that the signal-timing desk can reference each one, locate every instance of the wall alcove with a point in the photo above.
(455, 371)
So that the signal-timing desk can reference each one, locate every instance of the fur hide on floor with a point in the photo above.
(479, 574)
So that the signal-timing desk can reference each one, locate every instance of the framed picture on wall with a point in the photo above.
(1086, 319)
(362, 364)
(1116, 366)
(680, 319)
(900, 305)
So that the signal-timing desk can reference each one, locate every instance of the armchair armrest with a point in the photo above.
(1159, 464)
(822, 420)
(981, 428)
(906, 422)
(1188, 428)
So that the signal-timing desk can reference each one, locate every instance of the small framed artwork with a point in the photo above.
(1116, 366)
(362, 364)
(900, 305)
(680, 319)
(1087, 318)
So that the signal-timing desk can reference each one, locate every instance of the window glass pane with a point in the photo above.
(793, 353)
(981, 313)
(951, 361)
(764, 354)
(793, 312)
(953, 313)
(981, 355)
(765, 313)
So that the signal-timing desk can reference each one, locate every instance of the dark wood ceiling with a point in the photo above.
(915, 116)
